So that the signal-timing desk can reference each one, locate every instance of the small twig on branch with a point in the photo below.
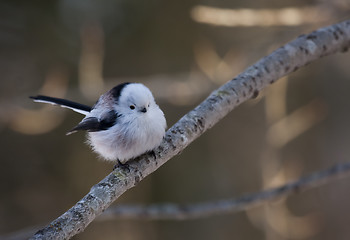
(192, 211)
(287, 59)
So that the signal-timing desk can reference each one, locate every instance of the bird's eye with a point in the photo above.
(148, 104)
(132, 107)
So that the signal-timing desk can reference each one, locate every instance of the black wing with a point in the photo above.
(93, 124)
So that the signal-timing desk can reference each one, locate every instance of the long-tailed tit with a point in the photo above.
(124, 123)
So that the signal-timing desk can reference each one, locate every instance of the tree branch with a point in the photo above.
(289, 58)
(172, 211)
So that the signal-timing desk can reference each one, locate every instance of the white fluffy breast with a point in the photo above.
(131, 136)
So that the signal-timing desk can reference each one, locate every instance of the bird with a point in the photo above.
(124, 123)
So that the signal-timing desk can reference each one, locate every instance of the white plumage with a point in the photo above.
(135, 131)
(124, 123)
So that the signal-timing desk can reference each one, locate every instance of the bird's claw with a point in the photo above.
(121, 165)
(152, 152)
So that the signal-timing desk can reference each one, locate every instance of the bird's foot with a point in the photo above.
(152, 152)
(121, 165)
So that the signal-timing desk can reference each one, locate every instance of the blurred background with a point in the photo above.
(182, 50)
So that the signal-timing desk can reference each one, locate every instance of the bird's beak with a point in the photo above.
(144, 110)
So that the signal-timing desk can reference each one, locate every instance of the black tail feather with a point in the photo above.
(62, 102)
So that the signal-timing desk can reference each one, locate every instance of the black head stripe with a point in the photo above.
(116, 91)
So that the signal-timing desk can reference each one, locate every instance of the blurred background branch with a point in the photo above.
(292, 16)
(199, 210)
(173, 211)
